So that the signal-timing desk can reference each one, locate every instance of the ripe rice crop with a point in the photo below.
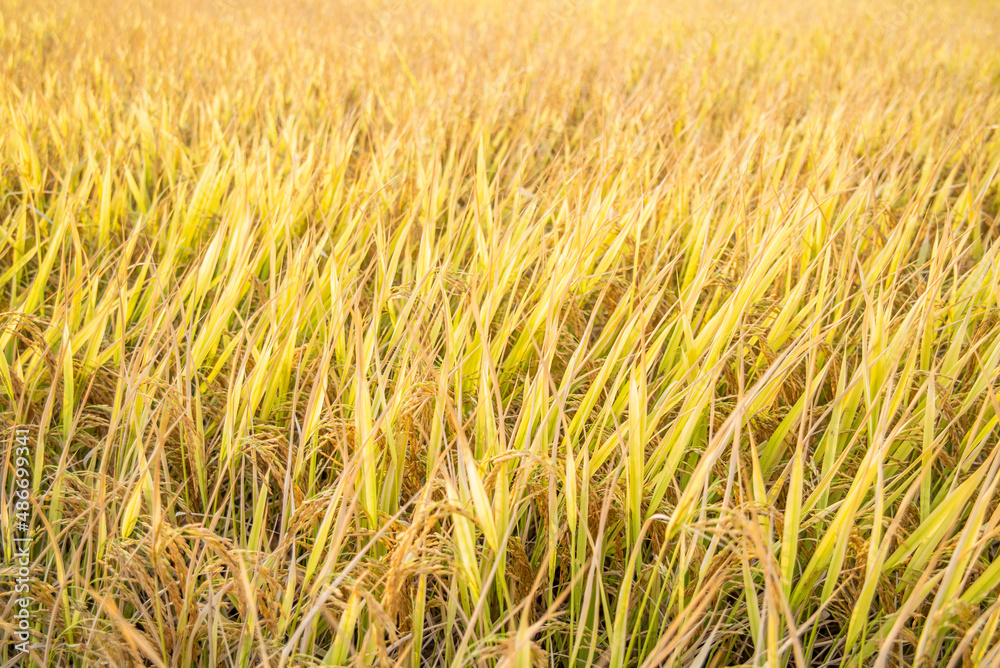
(501, 332)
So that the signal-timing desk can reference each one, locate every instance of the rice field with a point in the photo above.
(500, 333)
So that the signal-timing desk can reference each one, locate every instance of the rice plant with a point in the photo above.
(500, 333)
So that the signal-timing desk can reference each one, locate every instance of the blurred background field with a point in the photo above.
(503, 333)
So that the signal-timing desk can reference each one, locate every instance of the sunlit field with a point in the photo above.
(500, 333)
